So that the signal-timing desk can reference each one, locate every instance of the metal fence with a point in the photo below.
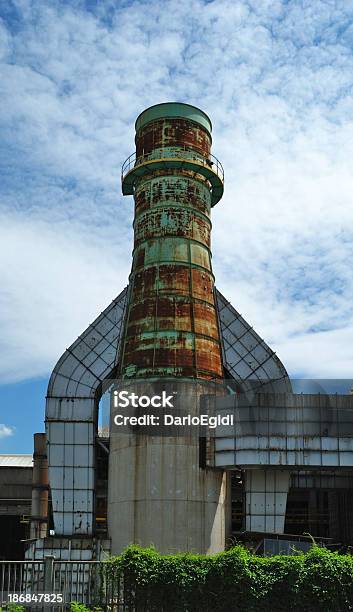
(19, 576)
(184, 153)
(81, 581)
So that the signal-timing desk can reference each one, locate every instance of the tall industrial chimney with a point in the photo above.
(158, 493)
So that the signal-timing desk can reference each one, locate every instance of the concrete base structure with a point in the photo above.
(266, 500)
(161, 497)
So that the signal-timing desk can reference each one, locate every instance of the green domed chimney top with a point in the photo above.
(173, 109)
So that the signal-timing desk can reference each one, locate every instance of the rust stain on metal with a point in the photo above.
(172, 221)
(172, 133)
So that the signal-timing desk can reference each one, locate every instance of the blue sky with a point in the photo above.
(275, 77)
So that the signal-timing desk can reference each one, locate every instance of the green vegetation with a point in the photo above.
(231, 581)
(78, 607)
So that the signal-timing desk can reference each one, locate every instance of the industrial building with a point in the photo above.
(283, 469)
(15, 504)
(24, 500)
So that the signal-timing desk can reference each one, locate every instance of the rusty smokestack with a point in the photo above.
(171, 331)
(171, 328)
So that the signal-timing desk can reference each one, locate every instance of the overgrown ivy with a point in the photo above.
(235, 580)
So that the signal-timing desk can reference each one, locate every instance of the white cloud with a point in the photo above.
(6, 431)
(57, 278)
(276, 79)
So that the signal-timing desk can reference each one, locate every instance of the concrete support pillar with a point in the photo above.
(266, 499)
(159, 496)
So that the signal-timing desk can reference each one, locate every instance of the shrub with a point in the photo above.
(231, 581)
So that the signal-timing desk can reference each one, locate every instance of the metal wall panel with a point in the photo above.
(71, 419)
(266, 499)
(286, 430)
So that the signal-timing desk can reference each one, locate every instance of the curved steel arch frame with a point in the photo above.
(74, 393)
(71, 419)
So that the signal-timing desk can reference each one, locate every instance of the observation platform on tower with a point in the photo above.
(177, 157)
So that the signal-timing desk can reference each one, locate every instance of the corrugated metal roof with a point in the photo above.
(24, 461)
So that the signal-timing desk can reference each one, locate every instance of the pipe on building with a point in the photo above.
(40, 488)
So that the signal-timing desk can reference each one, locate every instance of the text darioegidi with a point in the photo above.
(203, 420)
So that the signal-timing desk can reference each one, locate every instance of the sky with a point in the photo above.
(276, 78)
